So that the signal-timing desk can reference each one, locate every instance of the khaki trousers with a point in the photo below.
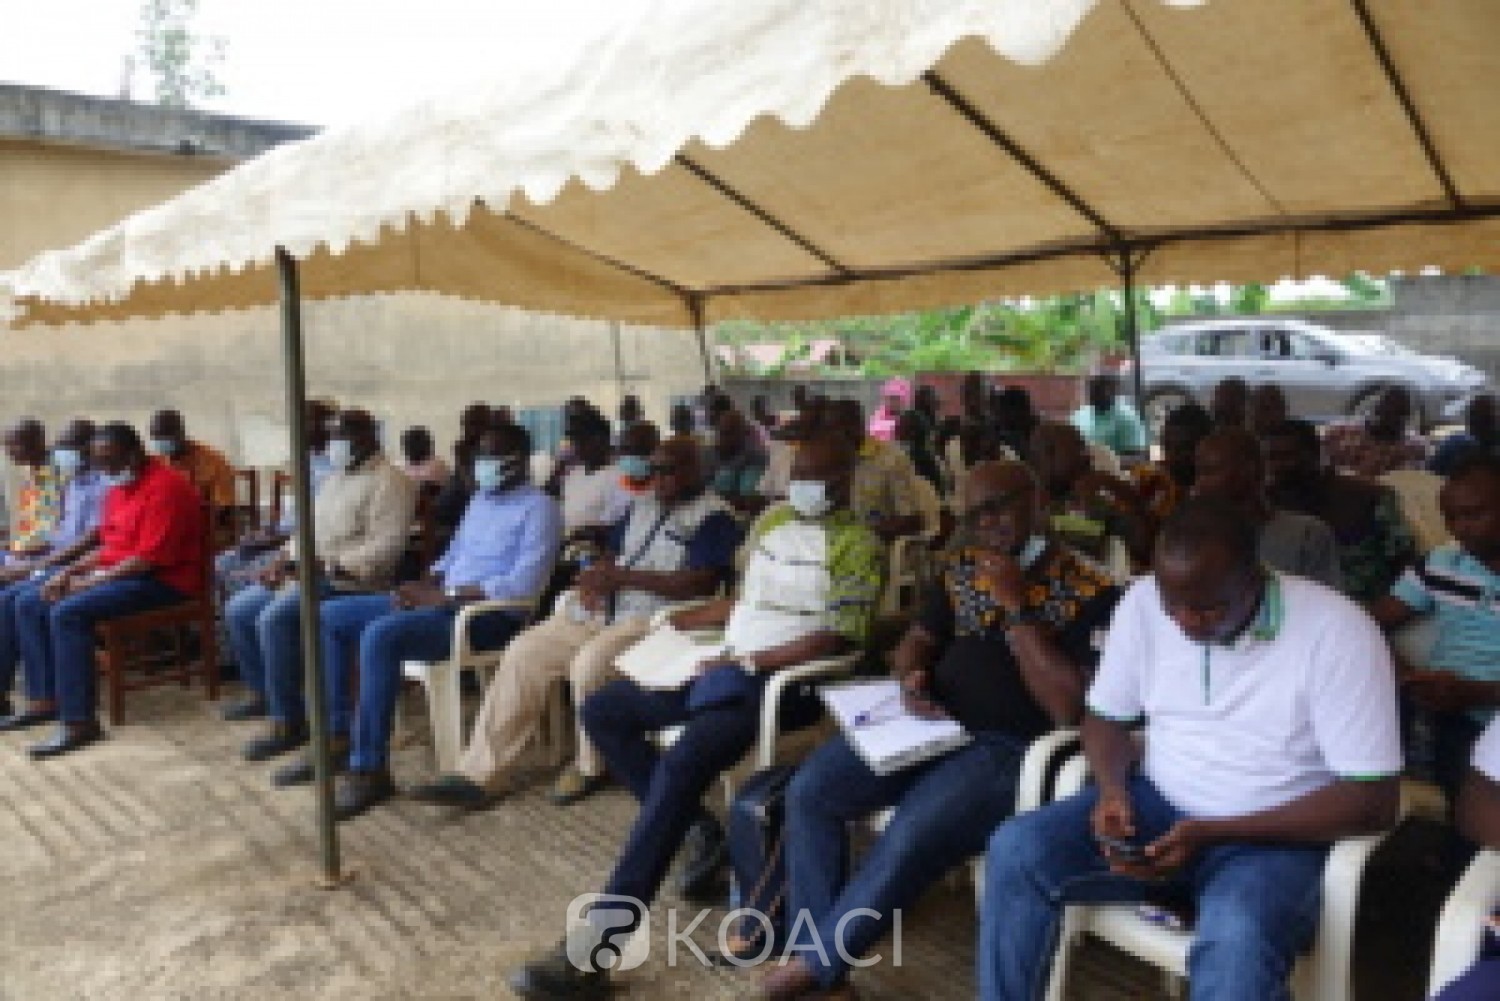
(516, 701)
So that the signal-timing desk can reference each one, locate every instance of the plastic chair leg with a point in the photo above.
(444, 708)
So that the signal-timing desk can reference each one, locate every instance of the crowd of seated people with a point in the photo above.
(1229, 592)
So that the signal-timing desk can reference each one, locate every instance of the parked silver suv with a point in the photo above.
(1325, 373)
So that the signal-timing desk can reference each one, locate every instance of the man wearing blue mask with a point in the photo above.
(1004, 644)
(205, 467)
(361, 521)
(504, 550)
(676, 543)
(809, 592)
(74, 533)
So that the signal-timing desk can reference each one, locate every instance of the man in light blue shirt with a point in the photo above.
(1107, 421)
(504, 549)
(72, 535)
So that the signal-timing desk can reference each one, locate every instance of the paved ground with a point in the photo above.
(157, 865)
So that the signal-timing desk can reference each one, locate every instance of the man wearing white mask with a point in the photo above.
(504, 549)
(809, 592)
(360, 525)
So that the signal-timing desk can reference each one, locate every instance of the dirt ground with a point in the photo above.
(159, 865)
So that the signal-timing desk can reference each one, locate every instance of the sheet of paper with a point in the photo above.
(665, 658)
(883, 733)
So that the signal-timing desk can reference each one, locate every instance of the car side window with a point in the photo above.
(1301, 347)
(1237, 344)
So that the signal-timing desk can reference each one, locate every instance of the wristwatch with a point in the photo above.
(451, 593)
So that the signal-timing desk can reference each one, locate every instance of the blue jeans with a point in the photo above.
(1257, 904)
(265, 632)
(619, 718)
(385, 636)
(10, 644)
(1480, 983)
(58, 640)
(945, 812)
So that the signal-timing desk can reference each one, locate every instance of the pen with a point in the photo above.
(891, 705)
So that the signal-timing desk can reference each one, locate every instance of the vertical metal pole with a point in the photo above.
(1126, 268)
(695, 306)
(307, 562)
(614, 333)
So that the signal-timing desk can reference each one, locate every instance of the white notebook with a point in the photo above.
(665, 658)
(886, 736)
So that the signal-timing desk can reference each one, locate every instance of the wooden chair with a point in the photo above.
(151, 649)
(281, 492)
(247, 500)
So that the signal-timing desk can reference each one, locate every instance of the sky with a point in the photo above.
(320, 62)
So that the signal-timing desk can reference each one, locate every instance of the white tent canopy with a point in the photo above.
(807, 158)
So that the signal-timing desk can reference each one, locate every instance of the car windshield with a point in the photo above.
(1373, 344)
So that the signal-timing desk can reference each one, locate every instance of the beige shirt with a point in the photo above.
(361, 519)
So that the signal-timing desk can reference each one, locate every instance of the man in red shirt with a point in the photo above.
(150, 555)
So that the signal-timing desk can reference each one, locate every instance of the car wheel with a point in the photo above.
(1160, 403)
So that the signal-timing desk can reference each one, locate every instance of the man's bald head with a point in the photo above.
(677, 470)
(640, 438)
(1002, 505)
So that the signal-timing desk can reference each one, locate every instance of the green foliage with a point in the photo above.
(182, 62)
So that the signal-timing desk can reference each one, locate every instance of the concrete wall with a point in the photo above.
(410, 359)
(1454, 315)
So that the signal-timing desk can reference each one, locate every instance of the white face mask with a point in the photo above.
(340, 453)
(809, 498)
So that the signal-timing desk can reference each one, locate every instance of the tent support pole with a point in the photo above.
(695, 306)
(1126, 262)
(331, 874)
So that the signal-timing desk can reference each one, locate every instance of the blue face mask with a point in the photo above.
(166, 447)
(340, 453)
(492, 474)
(67, 460)
(636, 467)
(123, 478)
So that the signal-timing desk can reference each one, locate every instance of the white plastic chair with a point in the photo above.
(908, 555)
(1460, 930)
(1323, 974)
(1417, 492)
(441, 680)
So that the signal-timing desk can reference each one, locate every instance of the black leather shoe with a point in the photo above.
(359, 791)
(281, 738)
(556, 976)
(701, 876)
(301, 771)
(28, 719)
(66, 737)
(252, 708)
(453, 790)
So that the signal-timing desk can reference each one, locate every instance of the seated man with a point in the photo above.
(1106, 420)
(1230, 403)
(809, 592)
(420, 461)
(1375, 545)
(741, 463)
(1380, 442)
(1459, 681)
(1084, 506)
(1165, 484)
(1269, 711)
(1479, 822)
(674, 545)
(1267, 407)
(504, 550)
(592, 500)
(360, 524)
(884, 490)
(150, 555)
(39, 492)
(1005, 645)
(75, 533)
(638, 443)
(205, 467)
(1481, 433)
(1232, 471)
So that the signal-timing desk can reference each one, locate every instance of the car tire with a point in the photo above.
(1159, 403)
(1363, 401)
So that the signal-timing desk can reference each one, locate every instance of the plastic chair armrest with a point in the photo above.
(770, 709)
(1460, 930)
(1031, 786)
(468, 613)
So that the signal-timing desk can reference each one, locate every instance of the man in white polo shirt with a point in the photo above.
(1270, 727)
(1479, 821)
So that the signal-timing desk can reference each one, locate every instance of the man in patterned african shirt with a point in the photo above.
(1005, 645)
(39, 497)
(1375, 545)
(1086, 507)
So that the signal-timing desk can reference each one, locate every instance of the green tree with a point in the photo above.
(182, 63)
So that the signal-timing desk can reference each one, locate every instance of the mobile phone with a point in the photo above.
(1124, 851)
